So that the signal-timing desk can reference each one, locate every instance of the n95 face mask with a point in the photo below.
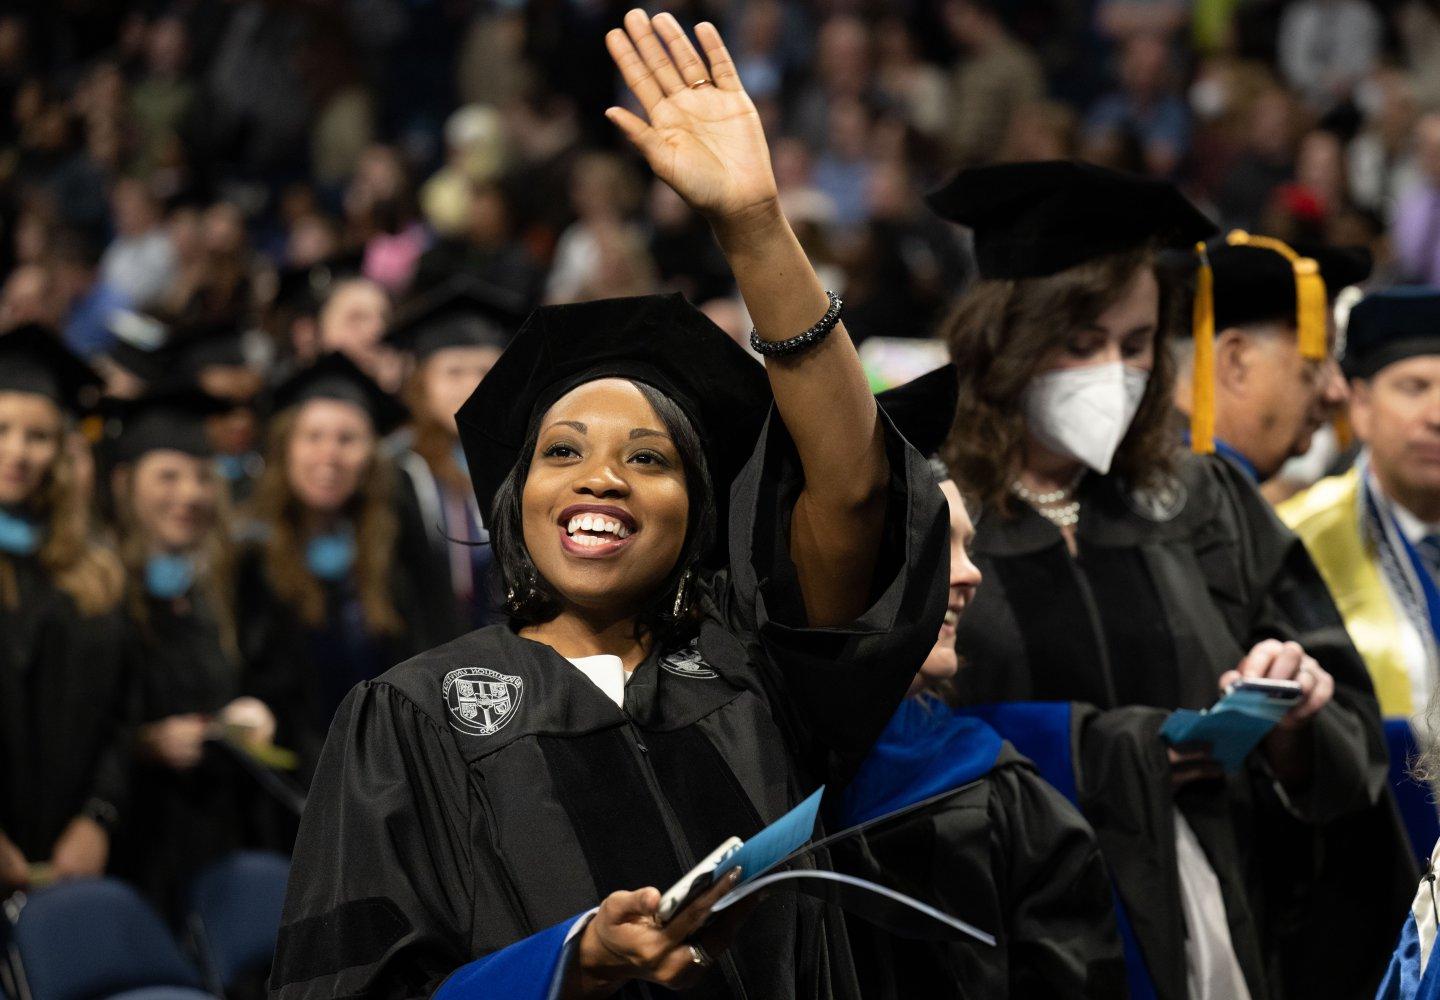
(1084, 413)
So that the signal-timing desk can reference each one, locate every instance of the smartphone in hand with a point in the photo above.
(1279, 690)
(697, 880)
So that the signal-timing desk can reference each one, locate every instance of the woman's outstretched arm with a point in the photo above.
(703, 137)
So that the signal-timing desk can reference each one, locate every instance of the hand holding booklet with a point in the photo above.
(787, 841)
(1237, 723)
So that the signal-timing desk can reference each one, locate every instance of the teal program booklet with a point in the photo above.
(783, 857)
(1232, 728)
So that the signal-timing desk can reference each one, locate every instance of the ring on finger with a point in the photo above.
(699, 956)
(707, 82)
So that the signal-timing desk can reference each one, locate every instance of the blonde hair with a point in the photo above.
(215, 554)
(277, 508)
(87, 571)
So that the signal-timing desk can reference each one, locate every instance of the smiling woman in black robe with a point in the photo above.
(62, 685)
(328, 593)
(641, 706)
(191, 800)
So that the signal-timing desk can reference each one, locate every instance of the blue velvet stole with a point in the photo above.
(532, 968)
(927, 749)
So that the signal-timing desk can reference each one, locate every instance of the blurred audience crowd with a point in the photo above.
(197, 161)
(220, 163)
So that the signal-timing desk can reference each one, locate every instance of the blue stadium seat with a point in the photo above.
(235, 908)
(93, 940)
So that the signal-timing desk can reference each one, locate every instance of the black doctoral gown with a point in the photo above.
(1008, 854)
(1170, 589)
(63, 708)
(437, 833)
(181, 820)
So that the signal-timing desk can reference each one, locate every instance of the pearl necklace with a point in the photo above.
(1057, 507)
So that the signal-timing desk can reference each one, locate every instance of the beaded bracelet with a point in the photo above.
(811, 337)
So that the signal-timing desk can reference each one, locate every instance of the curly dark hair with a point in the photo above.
(1002, 331)
(530, 598)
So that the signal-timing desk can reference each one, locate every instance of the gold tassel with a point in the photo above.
(1311, 298)
(1310, 306)
(1202, 402)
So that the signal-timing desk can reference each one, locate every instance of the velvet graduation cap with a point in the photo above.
(1390, 326)
(173, 420)
(461, 312)
(659, 340)
(1247, 279)
(1258, 281)
(334, 376)
(33, 359)
(923, 409)
(302, 290)
(140, 344)
(196, 347)
(1035, 219)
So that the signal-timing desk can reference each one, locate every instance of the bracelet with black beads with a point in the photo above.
(808, 339)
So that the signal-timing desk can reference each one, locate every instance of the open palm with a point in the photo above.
(703, 139)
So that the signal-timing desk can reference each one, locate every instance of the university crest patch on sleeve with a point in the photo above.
(1159, 503)
(688, 662)
(481, 701)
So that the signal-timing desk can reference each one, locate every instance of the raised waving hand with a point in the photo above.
(703, 136)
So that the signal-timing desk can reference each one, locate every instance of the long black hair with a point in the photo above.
(530, 600)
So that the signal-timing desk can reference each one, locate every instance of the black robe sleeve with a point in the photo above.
(1011, 856)
(841, 684)
(384, 865)
(1060, 927)
(1123, 782)
(1288, 600)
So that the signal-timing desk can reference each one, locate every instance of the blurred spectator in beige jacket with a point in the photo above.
(996, 75)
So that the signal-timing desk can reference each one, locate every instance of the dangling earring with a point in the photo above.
(680, 603)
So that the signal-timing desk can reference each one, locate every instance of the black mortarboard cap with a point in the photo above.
(1390, 326)
(335, 376)
(659, 340)
(146, 365)
(33, 359)
(303, 289)
(923, 409)
(140, 342)
(1254, 284)
(205, 345)
(1035, 219)
(463, 311)
(171, 420)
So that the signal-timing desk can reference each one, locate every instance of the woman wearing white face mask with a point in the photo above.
(1125, 579)
(191, 803)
